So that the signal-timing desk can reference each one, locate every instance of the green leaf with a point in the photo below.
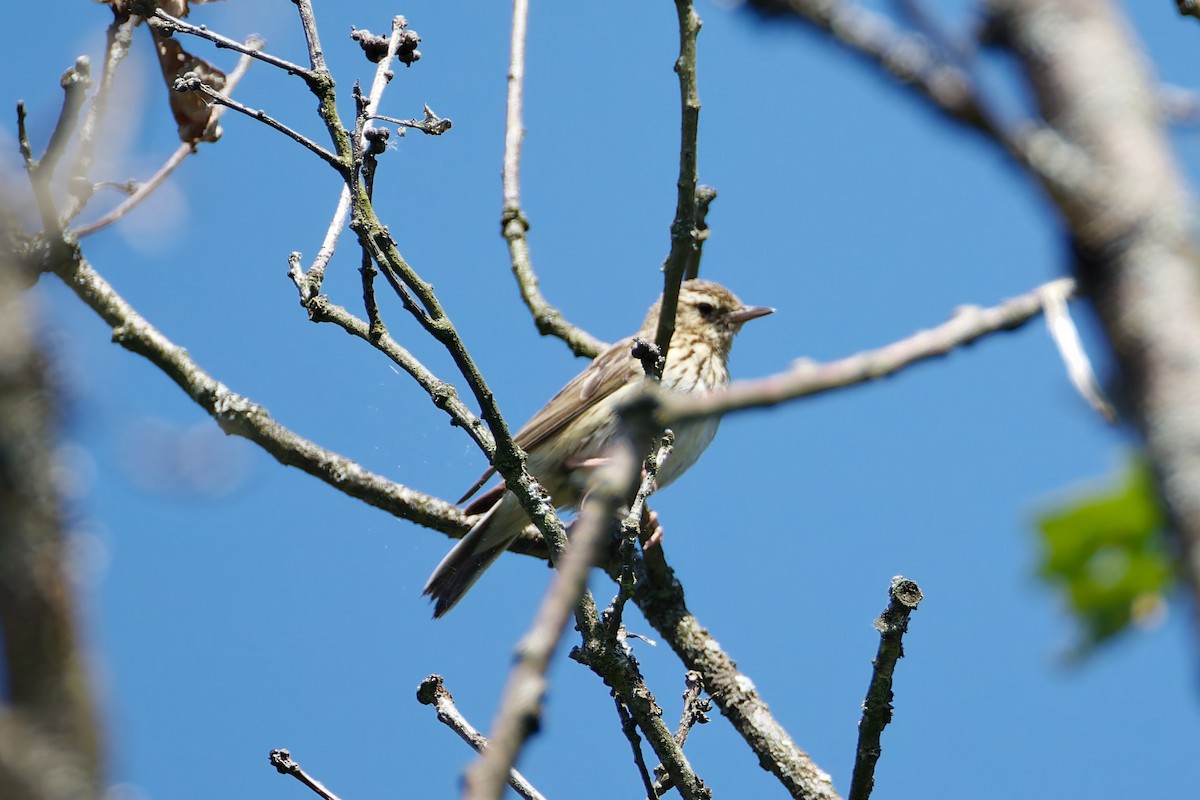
(1105, 552)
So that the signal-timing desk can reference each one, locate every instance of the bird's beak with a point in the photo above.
(747, 313)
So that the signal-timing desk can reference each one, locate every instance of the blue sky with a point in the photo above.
(233, 606)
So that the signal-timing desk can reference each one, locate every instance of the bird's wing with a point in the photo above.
(610, 370)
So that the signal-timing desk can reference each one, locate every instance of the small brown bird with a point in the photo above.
(572, 431)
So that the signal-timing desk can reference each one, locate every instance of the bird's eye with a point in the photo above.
(707, 310)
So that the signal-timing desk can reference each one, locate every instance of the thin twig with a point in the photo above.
(629, 728)
(903, 597)
(282, 761)
(165, 22)
(321, 84)
(705, 195)
(444, 395)
(308, 21)
(1070, 348)
(805, 378)
(431, 124)
(177, 158)
(513, 223)
(695, 706)
(433, 691)
(23, 145)
(376, 330)
(75, 83)
(685, 238)
(192, 83)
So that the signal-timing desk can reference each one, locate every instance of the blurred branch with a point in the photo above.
(1131, 224)
(415, 293)
(120, 36)
(173, 162)
(969, 324)
(282, 761)
(610, 486)
(1188, 8)
(75, 82)
(50, 739)
(903, 597)
(513, 223)
(904, 56)
(433, 691)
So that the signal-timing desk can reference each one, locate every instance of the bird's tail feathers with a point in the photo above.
(473, 554)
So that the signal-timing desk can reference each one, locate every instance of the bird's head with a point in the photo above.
(707, 311)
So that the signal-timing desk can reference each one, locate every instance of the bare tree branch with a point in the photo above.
(695, 706)
(192, 83)
(513, 223)
(685, 238)
(903, 597)
(282, 761)
(430, 124)
(629, 728)
(120, 36)
(433, 691)
(610, 485)
(660, 597)
(969, 324)
(314, 277)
